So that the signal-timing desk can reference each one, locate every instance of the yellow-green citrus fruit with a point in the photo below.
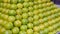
(29, 17)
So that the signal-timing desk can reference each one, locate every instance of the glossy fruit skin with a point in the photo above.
(23, 28)
(17, 23)
(30, 25)
(15, 30)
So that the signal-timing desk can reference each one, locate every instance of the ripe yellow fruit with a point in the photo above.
(36, 29)
(30, 19)
(41, 26)
(17, 23)
(46, 24)
(36, 33)
(35, 12)
(11, 18)
(6, 17)
(50, 33)
(2, 30)
(50, 28)
(19, 5)
(1, 21)
(5, 1)
(29, 31)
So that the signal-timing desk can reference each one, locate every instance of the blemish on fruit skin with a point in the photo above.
(29, 17)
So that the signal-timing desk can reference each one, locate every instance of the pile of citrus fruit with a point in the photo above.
(29, 17)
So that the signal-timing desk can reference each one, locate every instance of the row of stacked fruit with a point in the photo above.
(29, 17)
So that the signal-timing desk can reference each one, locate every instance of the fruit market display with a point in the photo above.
(29, 17)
